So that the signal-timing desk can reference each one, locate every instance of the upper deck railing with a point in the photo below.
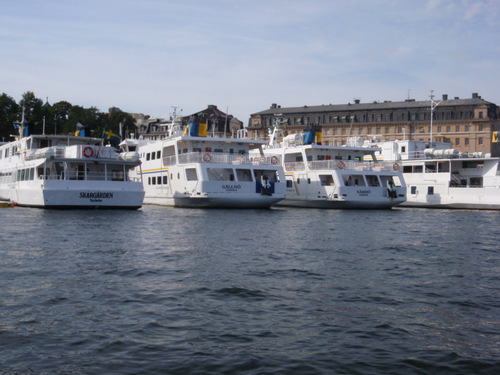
(220, 158)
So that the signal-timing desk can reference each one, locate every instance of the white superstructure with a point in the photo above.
(442, 177)
(58, 171)
(190, 169)
(334, 176)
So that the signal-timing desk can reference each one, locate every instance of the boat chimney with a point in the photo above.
(445, 96)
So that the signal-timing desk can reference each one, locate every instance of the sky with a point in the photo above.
(149, 56)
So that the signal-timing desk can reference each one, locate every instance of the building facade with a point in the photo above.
(219, 124)
(471, 125)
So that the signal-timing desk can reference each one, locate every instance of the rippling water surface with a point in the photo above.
(280, 291)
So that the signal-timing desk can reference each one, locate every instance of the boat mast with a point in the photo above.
(433, 106)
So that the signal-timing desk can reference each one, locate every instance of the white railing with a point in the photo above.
(219, 158)
(349, 165)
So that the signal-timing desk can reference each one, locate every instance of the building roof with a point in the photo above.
(357, 106)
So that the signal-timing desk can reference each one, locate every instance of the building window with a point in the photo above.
(387, 130)
(480, 128)
(480, 141)
(413, 117)
(379, 118)
(343, 131)
(334, 131)
(448, 129)
(388, 117)
(480, 114)
(439, 129)
(422, 117)
(466, 141)
(377, 131)
(400, 117)
(400, 130)
(466, 128)
(457, 141)
(421, 130)
(457, 128)
(360, 131)
(412, 129)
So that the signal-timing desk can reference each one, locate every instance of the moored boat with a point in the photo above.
(189, 168)
(439, 176)
(63, 171)
(337, 177)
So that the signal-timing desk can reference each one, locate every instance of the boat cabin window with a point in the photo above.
(218, 150)
(354, 180)
(289, 184)
(153, 155)
(196, 149)
(476, 182)
(244, 174)
(372, 180)
(242, 152)
(326, 180)
(272, 175)
(148, 156)
(158, 154)
(414, 190)
(191, 174)
(430, 190)
(418, 169)
(220, 174)
(430, 168)
(407, 169)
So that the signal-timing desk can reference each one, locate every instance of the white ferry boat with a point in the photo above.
(442, 177)
(59, 171)
(324, 176)
(190, 169)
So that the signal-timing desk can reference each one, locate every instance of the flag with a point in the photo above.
(109, 135)
(80, 130)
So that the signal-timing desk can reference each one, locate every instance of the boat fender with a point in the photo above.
(274, 160)
(88, 152)
(395, 167)
(207, 158)
(340, 165)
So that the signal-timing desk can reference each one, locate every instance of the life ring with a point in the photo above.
(340, 165)
(417, 154)
(207, 158)
(395, 167)
(88, 152)
(274, 160)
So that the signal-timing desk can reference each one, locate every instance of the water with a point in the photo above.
(178, 291)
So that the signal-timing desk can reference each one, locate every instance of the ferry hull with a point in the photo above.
(339, 204)
(60, 195)
(214, 202)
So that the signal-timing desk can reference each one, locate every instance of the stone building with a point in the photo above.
(471, 125)
(219, 124)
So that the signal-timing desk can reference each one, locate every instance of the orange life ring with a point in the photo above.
(274, 160)
(340, 165)
(207, 158)
(88, 152)
(395, 167)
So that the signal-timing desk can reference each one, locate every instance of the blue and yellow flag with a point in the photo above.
(109, 135)
(495, 137)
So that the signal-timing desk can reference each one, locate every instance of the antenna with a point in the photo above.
(433, 106)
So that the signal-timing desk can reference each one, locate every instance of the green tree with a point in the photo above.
(59, 115)
(8, 115)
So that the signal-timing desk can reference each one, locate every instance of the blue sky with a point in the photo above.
(147, 56)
